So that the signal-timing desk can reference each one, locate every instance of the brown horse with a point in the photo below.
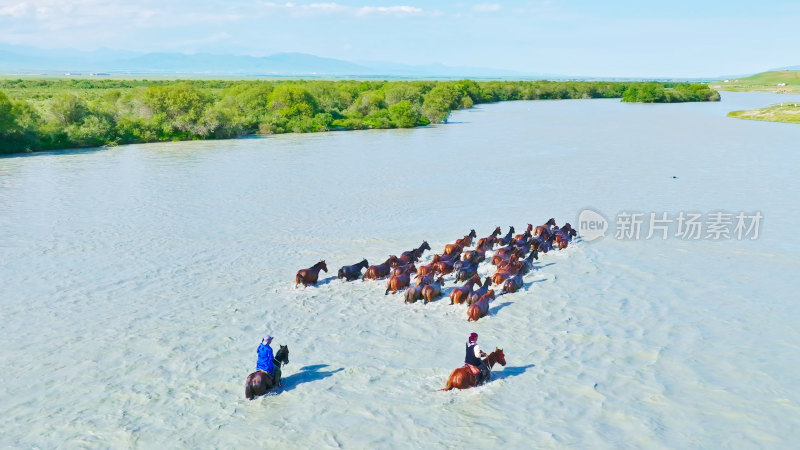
(428, 269)
(507, 270)
(544, 231)
(381, 270)
(424, 280)
(413, 255)
(407, 268)
(310, 275)
(478, 293)
(444, 267)
(350, 273)
(481, 307)
(259, 382)
(464, 377)
(460, 294)
(501, 258)
(400, 279)
(433, 291)
(523, 237)
(490, 240)
(460, 244)
(513, 284)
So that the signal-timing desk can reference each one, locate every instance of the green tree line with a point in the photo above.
(56, 114)
(669, 93)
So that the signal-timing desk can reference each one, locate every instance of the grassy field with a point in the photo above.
(763, 82)
(784, 112)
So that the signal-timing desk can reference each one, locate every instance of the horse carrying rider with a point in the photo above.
(265, 360)
(473, 358)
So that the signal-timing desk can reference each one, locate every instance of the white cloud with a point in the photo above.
(487, 7)
(335, 8)
(388, 10)
(15, 10)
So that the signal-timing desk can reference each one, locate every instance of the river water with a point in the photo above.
(138, 281)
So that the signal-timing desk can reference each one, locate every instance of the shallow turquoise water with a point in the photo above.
(137, 282)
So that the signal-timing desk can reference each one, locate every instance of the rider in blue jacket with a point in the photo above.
(265, 356)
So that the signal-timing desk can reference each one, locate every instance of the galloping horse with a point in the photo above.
(413, 255)
(259, 381)
(478, 293)
(464, 377)
(513, 284)
(490, 240)
(433, 291)
(523, 237)
(460, 244)
(459, 294)
(310, 275)
(400, 279)
(527, 264)
(481, 307)
(443, 267)
(428, 269)
(466, 272)
(350, 273)
(507, 238)
(381, 270)
(509, 269)
(544, 231)
(413, 293)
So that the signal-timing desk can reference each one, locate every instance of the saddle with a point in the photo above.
(475, 371)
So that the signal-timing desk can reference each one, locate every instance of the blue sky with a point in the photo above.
(590, 38)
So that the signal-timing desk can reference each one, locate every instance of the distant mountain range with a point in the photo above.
(20, 60)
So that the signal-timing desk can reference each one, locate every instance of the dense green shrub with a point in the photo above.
(54, 114)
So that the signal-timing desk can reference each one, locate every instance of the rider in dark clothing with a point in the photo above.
(473, 357)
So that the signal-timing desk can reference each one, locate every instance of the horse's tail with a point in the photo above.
(341, 273)
(299, 279)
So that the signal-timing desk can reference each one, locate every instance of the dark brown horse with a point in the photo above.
(259, 382)
(406, 268)
(433, 291)
(381, 270)
(513, 284)
(481, 307)
(413, 255)
(507, 238)
(490, 240)
(310, 275)
(478, 293)
(460, 294)
(413, 293)
(527, 263)
(466, 271)
(524, 236)
(464, 377)
(350, 273)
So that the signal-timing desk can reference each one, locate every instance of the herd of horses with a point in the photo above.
(513, 259)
